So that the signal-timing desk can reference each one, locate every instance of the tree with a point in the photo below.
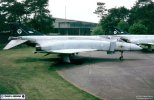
(34, 13)
(101, 11)
(143, 11)
(4, 13)
(42, 20)
(141, 3)
(3, 26)
(98, 30)
(123, 25)
(43, 23)
(10, 9)
(115, 15)
(138, 28)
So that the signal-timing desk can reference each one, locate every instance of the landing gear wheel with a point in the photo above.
(149, 48)
(121, 57)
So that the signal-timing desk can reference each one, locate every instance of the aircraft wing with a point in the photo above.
(14, 43)
(71, 51)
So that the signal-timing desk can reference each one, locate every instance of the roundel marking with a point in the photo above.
(19, 31)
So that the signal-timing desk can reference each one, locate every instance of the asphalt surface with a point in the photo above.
(110, 79)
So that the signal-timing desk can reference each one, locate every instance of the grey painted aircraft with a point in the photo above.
(66, 45)
(144, 40)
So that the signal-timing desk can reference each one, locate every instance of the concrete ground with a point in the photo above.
(110, 79)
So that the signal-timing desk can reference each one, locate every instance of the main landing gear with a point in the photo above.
(121, 56)
(149, 47)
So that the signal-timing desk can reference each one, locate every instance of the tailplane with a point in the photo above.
(14, 43)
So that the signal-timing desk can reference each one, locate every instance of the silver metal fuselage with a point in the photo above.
(50, 43)
(138, 39)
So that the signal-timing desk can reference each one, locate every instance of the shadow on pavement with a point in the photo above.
(79, 60)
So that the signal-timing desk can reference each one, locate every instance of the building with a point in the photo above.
(73, 27)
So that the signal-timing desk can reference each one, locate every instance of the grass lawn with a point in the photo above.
(34, 75)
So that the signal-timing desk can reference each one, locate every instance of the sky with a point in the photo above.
(83, 9)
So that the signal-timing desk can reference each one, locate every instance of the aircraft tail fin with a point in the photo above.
(18, 29)
(14, 43)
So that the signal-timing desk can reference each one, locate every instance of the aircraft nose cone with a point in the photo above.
(135, 47)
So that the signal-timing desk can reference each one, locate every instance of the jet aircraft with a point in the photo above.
(144, 40)
(65, 45)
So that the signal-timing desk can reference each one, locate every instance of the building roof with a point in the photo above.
(70, 20)
(67, 23)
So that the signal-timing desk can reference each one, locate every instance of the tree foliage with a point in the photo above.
(138, 28)
(31, 12)
(114, 16)
(101, 11)
(98, 30)
(42, 20)
(142, 11)
(123, 25)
